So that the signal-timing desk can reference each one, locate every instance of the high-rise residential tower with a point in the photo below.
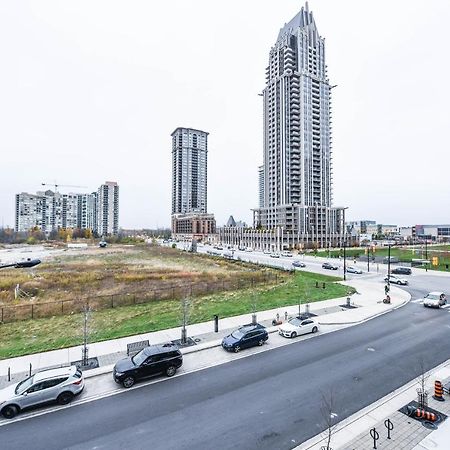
(50, 211)
(297, 136)
(108, 209)
(189, 176)
(189, 184)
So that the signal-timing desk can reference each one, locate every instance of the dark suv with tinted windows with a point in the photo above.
(402, 270)
(244, 337)
(152, 360)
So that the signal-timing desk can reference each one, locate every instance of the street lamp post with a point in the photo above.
(345, 268)
(368, 261)
(426, 255)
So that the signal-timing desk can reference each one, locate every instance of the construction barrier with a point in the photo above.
(438, 391)
(422, 414)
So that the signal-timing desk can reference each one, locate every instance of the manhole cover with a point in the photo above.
(197, 339)
(429, 425)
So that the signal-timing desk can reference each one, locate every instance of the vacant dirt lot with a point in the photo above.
(95, 272)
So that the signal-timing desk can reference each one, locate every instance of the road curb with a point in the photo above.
(355, 322)
(316, 440)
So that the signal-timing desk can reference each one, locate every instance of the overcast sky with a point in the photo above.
(91, 90)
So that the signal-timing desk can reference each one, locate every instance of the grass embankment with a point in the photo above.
(404, 254)
(32, 336)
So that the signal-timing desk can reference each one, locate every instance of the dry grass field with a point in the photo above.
(118, 270)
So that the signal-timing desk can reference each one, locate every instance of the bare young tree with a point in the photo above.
(86, 331)
(329, 417)
(422, 379)
(185, 305)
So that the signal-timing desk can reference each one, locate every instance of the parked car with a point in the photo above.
(352, 269)
(434, 300)
(102, 244)
(287, 254)
(296, 326)
(394, 259)
(152, 360)
(246, 336)
(60, 385)
(329, 266)
(267, 252)
(274, 255)
(249, 249)
(402, 271)
(395, 280)
(298, 264)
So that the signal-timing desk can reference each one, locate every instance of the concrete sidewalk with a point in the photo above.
(408, 433)
(367, 304)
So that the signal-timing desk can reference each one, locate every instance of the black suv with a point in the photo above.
(152, 360)
(244, 337)
(402, 270)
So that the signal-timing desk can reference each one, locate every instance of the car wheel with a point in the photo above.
(293, 334)
(10, 411)
(170, 371)
(314, 330)
(64, 398)
(237, 349)
(128, 382)
(261, 342)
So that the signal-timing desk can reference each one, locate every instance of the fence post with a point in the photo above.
(32, 311)
(112, 301)
(62, 307)
(2, 315)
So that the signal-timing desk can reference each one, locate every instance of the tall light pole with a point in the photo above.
(345, 267)
(426, 255)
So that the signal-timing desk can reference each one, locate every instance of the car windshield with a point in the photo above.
(294, 321)
(139, 358)
(238, 334)
(24, 385)
(432, 296)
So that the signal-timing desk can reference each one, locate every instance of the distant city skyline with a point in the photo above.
(89, 96)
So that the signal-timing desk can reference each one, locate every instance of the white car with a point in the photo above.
(267, 252)
(274, 255)
(295, 327)
(288, 254)
(396, 280)
(249, 249)
(434, 300)
(351, 269)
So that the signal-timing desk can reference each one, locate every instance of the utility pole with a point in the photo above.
(368, 256)
(426, 255)
(345, 267)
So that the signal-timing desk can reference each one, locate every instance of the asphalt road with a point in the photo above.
(266, 401)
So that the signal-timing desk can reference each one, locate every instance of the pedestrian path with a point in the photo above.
(366, 303)
(356, 432)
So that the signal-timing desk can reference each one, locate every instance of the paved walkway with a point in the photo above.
(350, 434)
(367, 302)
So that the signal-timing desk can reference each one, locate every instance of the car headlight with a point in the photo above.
(118, 374)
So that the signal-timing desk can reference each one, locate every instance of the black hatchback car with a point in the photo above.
(246, 336)
(152, 360)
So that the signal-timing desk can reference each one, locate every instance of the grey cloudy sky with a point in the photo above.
(91, 90)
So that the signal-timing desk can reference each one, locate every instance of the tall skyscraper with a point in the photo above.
(189, 184)
(108, 209)
(189, 166)
(297, 137)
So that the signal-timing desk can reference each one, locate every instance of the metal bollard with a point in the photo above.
(390, 426)
(216, 323)
(375, 436)
(9, 373)
(285, 315)
(348, 301)
(30, 369)
(307, 308)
